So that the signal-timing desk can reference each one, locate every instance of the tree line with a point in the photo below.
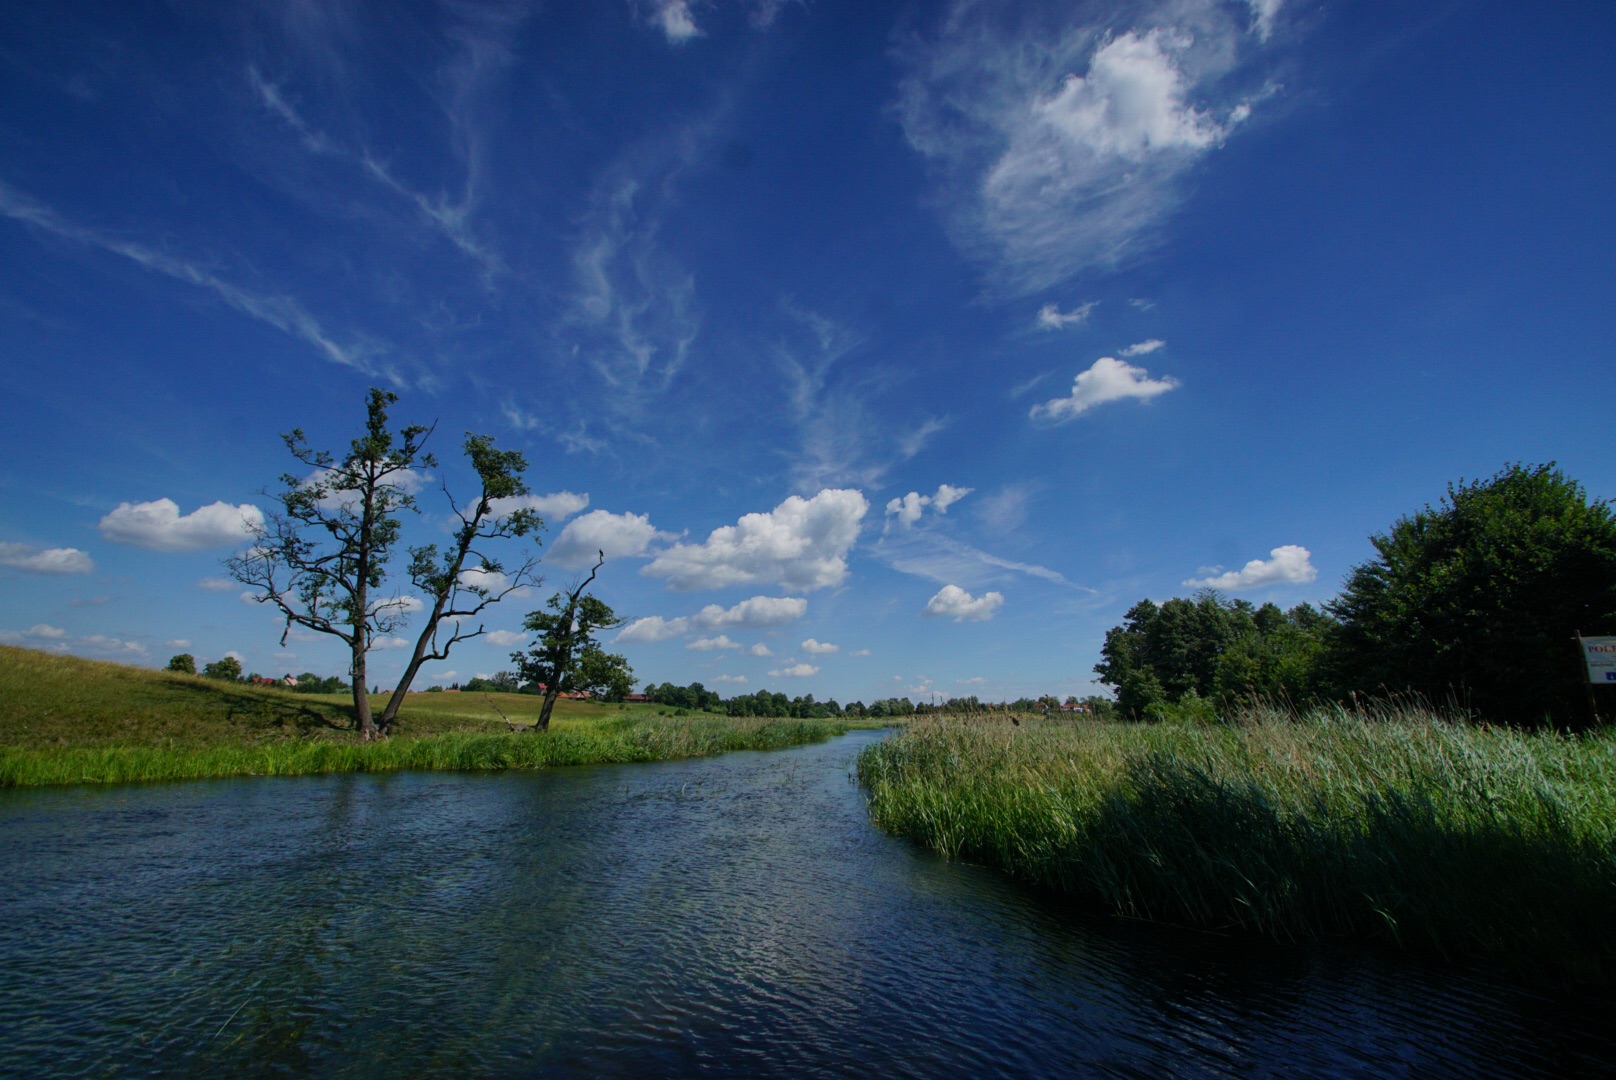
(1475, 602)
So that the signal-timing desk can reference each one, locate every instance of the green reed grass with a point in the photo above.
(636, 739)
(1471, 842)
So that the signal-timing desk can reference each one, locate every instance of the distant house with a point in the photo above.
(635, 697)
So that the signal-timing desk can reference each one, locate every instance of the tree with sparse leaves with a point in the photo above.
(323, 556)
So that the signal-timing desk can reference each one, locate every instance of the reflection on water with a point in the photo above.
(730, 916)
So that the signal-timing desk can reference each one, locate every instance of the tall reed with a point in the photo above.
(1399, 825)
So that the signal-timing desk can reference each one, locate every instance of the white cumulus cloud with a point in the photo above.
(729, 678)
(1109, 379)
(955, 603)
(820, 648)
(707, 644)
(755, 613)
(34, 560)
(652, 628)
(505, 638)
(620, 536)
(45, 630)
(795, 671)
(159, 526)
(908, 509)
(553, 507)
(217, 584)
(1289, 564)
(1143, 348)
(800, 544)
(760, 649)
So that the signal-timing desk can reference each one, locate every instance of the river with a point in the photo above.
(731, 916)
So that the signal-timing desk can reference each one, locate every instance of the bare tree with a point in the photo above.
(322, 556)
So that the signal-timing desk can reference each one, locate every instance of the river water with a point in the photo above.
(729, 916)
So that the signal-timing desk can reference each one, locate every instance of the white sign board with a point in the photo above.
(1600, 652)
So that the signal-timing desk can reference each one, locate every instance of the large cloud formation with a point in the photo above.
(801, 544)
(159, 526)
(1058, 133)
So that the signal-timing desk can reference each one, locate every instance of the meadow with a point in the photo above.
(1395, 824)
(64, 720)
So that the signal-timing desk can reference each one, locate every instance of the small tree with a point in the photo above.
(184, 663)
(1478, 598)
(228, 669)
(566, 658)
(323, 555)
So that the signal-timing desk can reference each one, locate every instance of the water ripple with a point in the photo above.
(735, 916)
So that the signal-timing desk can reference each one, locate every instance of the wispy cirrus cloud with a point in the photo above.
(281, 312)
(1051, 317)
(632, 313)
(929, 554)
(1059, 133)
(451, 219)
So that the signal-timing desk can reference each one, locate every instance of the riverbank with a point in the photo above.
(64, 720)
(1467, 842)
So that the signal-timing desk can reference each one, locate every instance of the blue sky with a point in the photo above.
(886, 348)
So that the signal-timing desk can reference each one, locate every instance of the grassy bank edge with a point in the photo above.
(641, 740)
(1467, 843)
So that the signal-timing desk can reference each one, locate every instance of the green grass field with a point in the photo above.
(1469, 842)
(64, 720)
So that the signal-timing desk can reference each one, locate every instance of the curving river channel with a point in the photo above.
(729, 916)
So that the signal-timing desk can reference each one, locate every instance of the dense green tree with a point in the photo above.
(323, 555)
(310, 683)
(694, 696)
(565, 657)
(1478, 598)
(183, 663)
(1212, 650)
(500, 682)
(227, 669)
(606, 675)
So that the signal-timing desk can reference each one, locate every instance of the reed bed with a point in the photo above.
(1473, 843)
(610, 741)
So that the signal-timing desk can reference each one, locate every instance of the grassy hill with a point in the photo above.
(68, 720)
(49, 700)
